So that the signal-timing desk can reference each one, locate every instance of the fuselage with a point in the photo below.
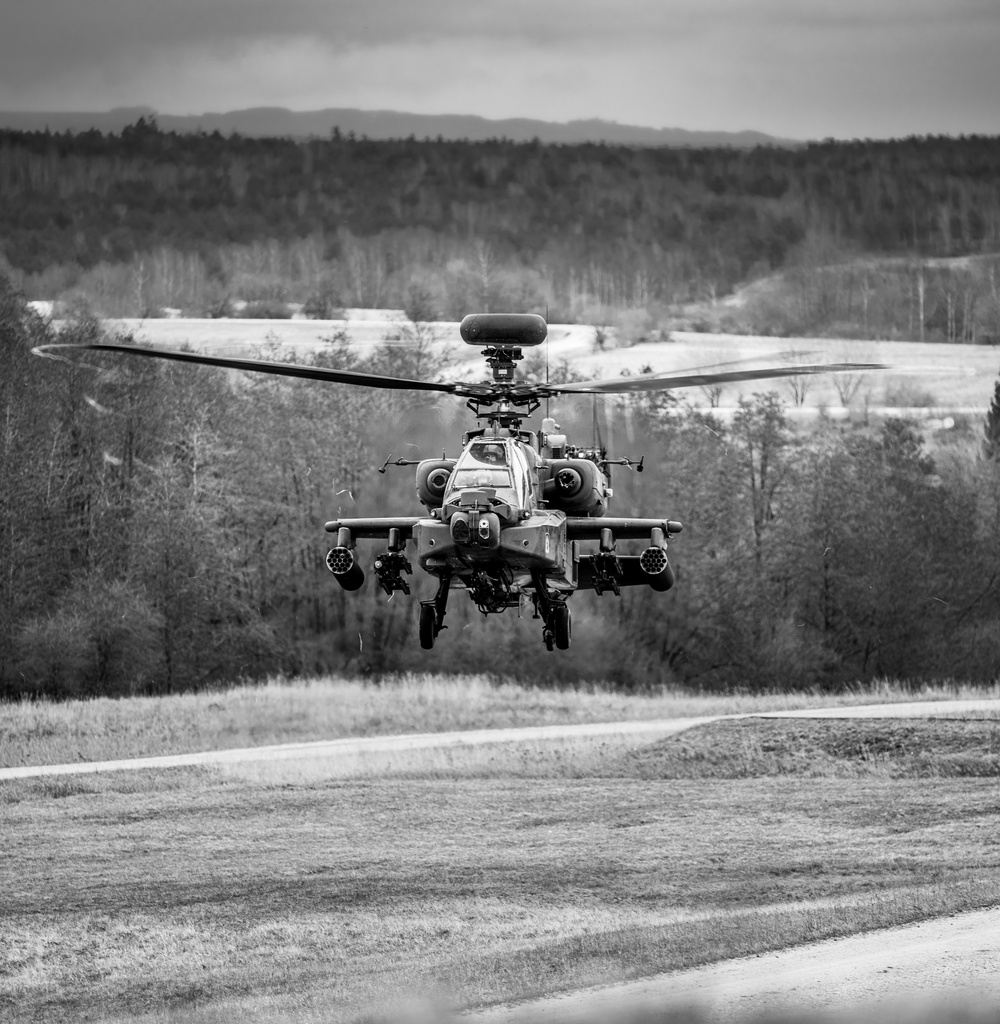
(492, 516)
(508, 520)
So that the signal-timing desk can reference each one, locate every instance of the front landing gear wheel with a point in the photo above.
(562, 626)
(428, 620)
(548, 638)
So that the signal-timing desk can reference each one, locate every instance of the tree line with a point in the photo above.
(146, 220)
(161, 530)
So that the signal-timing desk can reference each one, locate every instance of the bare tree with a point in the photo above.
(848, 385)
(798, 386)
(761, 434)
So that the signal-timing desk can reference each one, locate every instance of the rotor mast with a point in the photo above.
(504, 335)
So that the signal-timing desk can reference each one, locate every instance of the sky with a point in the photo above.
(802, 69)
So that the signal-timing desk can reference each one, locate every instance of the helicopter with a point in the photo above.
(507, 520)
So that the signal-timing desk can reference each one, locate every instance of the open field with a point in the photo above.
(953, 376)
(190, 895)
(44, 732)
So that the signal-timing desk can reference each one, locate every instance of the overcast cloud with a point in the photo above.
(799, 68)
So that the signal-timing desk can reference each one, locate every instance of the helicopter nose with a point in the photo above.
(460, 532)
(476, 529)
(488, 528)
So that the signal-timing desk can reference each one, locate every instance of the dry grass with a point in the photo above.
(810, 748)
(190, 896)
(283, 712)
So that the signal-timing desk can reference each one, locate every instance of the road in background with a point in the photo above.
(345, 757)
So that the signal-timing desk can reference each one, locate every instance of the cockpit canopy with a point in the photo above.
(499, 463)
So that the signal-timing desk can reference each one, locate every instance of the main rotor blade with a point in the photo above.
(371, 380)
(486, 390)
(788, 356)
(687, 379)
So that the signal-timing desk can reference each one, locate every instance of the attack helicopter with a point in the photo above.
(507, 519)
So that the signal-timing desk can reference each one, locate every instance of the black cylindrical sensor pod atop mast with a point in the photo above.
(504, 330)
(502, 336)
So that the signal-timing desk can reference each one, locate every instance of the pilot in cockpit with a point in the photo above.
(493, 454)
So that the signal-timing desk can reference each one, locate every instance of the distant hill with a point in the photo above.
(276, 122)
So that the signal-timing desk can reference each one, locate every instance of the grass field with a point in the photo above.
(187, 895)
(953, 376)
(282, 712)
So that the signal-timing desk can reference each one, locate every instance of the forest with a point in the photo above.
(161, 531)
(887, 239)
(161, 525)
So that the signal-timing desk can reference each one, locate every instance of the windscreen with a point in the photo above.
(484, 464)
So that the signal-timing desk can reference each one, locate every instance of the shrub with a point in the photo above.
(322, 306)
(905, 394)
(266, 309)
(220, 309)
(102, 638)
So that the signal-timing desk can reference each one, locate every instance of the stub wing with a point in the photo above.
(586, 528)
(609, 570)
(376, 527)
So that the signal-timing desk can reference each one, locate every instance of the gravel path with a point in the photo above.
(343, 756)
(943, 960)
(908, 709)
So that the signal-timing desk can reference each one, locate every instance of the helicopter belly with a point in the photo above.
(535, 544)
(435, 548)
(539, 543)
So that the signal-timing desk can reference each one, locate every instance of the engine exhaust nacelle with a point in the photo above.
(576, 487)
(340, 561)
(432, 479)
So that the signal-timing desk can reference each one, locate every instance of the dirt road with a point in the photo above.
(945, 960)
(345, 757)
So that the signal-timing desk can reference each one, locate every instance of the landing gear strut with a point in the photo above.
(562, 625)
(552, 609)
(432, 613)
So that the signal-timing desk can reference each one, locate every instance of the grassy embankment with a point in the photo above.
(279, 712)
(194, 896)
